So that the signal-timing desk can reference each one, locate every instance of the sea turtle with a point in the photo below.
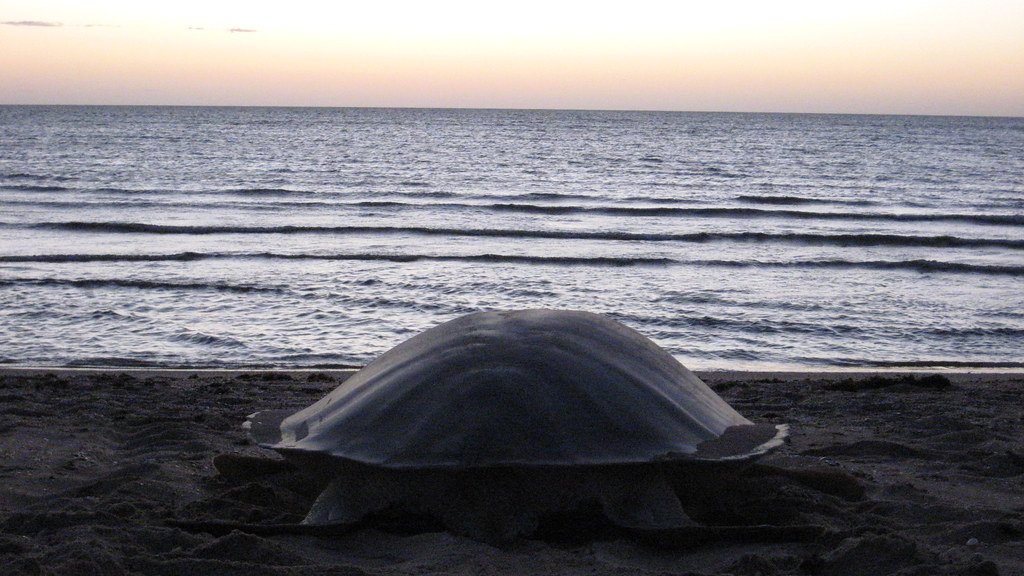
(494, 421)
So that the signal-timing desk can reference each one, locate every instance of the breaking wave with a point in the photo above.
(919, 265)
(33, 187)
(944, 241)
(141, 284)
(782, 200)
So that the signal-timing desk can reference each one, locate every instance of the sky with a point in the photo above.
(865, 56)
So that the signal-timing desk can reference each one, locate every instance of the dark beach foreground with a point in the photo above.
(914, 476)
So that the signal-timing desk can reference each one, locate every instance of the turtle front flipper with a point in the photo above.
(348, 498)
(264, 427)
(243, 468)
(640, 499)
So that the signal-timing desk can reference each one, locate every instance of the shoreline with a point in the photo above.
(784, 373)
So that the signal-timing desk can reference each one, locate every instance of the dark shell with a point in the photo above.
(524, 388)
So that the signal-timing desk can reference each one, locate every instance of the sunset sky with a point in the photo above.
(865, 56)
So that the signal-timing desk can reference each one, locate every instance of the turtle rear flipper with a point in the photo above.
(693, 536)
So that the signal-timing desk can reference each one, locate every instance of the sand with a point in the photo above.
(918, 476)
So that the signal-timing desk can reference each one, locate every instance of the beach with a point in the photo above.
(919, 474)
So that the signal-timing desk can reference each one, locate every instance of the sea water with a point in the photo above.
(307, 237)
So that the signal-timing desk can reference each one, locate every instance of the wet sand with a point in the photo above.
(94, 464)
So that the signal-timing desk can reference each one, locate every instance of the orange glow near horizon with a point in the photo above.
(915, 57)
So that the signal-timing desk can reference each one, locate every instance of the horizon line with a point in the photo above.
(525, 109)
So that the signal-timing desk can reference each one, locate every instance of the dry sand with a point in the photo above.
(93, 464)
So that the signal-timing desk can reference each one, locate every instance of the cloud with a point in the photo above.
(35, 23)
(231, 30)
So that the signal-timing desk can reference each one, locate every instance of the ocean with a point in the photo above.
(316, 237)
